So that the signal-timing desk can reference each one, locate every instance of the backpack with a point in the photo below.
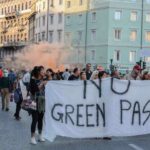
(17, 94)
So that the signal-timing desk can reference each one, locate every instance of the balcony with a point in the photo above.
(32, 14)
(14, 43)
(21, 28)
(4, 30)
(11, 15)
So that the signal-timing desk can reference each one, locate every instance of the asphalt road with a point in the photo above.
(15, 135)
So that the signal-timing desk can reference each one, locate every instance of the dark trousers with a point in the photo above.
(37, 118)
(18, 108)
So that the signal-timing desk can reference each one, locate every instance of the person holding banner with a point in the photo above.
(83, 76)
(145, 76)
(37, 85)
(75, 75)
(49, 74)
(135, 74)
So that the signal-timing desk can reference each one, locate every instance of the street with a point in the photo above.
(15, 135)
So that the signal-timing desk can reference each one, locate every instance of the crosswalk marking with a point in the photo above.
(135, 147)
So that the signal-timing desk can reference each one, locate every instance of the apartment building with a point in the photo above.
(13, 26)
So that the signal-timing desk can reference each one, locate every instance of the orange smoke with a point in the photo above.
(49, 55)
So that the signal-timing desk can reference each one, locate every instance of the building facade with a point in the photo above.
(13, 26)
(49, 23)
(108, 29)
(31, 19)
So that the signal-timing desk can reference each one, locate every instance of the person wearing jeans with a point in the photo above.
(5, 98)
(37, 118)
(5, 84)
(36, 88)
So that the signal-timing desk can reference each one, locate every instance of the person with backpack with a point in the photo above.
(18, 98)
(12, 79)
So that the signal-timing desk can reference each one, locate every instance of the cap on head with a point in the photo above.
(137, 67)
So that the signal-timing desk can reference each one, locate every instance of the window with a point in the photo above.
(39, 22)
(133, 1)
(2, 11)
(92, 55)
(79, 35)
(29, 4)
(93, 34)
(147, 59)
(133, 16)
(117, 15)
(19, 7)
(133, 35)
(39, 38)
(147, 36)
(43, 5)
(36, 22)
(68, 4)
(60, 18)
(52, 3)
(60, 2)
(59, 35)
(51, 36)
(68, 38)
(12, 9)
(80, 2)
(26, 6)
(8, 9)
(67, 20)
(43, 36)
(39, 8)
(80, 19)
(22, 6)
(117, 55)
(51, 19)
(15, 8)
(148, 1)
(148, 17)
(2, 24)
(117, 34)
(93, 16)
(43, 20)
(132, 56)
(21, 21)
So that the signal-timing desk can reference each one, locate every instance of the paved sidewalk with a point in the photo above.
(15, 135)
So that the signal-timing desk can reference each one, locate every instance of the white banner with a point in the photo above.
(103, 113)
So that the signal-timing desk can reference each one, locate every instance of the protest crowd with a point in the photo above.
(34, 82)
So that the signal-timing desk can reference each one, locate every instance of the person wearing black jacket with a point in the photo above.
(75, 75)
(37, 85)
(88, 71)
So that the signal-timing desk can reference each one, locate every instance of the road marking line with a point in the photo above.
(135, 147)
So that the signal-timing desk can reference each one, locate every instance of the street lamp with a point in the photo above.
(111, 65)
(77, 43)
(86, 29)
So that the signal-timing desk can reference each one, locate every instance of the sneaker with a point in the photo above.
(106, 138)
(41, 139)
(18, 118)
(33, 141)
(7, 109)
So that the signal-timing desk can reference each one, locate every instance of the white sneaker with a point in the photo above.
(33, 141)
(41, 139)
